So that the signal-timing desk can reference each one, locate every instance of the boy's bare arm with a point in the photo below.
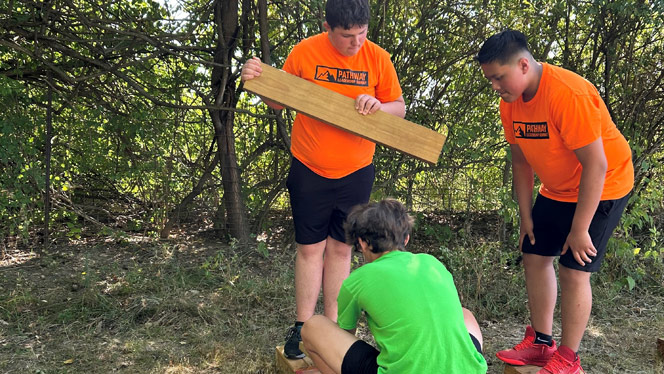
(593, 161)
(367, 104)
(524, 180)
(396, 107)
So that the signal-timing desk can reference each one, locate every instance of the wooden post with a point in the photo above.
(338, 110)
(299, 366)
(527, 369)
(660, 348)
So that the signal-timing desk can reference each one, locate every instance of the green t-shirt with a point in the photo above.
(414, 313)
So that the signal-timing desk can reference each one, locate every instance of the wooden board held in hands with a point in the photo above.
(338, 110)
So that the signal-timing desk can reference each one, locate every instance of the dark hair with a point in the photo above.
(347, 13)
(502, 47)
(384, 225)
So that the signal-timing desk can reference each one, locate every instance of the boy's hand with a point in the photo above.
(367, 104)
(251, 69)
(581, 246)
(526, 229)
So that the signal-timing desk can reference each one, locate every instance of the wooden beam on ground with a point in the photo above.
(338, 110)
(660, 348)
(528, 369)
(300, 366)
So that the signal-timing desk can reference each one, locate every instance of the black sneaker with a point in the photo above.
(292, 346)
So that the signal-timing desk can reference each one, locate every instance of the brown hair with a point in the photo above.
(384, 225)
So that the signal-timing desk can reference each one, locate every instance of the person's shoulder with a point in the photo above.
(313, 41)
(375, 49)
(429, 259)
(354, 277)
(565, 82)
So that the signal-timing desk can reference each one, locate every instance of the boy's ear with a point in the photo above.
(327, 26)
(405, 242)
(524, 64)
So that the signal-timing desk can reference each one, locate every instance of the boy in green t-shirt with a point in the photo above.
(410, 302)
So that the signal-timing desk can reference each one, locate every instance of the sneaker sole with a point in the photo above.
(295, 357)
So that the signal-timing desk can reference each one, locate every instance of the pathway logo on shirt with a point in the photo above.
(342, 76)
(531, 130)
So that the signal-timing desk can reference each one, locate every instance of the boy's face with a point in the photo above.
(347, 41)
(509, 80)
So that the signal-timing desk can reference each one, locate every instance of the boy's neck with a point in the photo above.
(535, 78)
(371, 256)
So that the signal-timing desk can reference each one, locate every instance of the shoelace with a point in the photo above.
(293, 331)
(526, 343)
(556, 364)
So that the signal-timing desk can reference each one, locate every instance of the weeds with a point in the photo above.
(201, 307)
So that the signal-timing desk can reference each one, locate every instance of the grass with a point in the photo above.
(195, 305)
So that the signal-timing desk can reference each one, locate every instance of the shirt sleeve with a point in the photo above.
(388, 88)
(506, 119)
(349, 309)
(291, 65)
(579, 120)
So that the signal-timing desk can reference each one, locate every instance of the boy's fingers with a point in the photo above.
(579, 260)
(592, 251)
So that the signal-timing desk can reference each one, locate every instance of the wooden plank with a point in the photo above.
(527, 369)
(299, 366)
(660, 347)
(338, 110)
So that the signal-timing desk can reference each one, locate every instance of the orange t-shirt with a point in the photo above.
(326, 150)
(567, 113)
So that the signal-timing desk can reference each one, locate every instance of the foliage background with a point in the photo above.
(148, 125)
(130, 117)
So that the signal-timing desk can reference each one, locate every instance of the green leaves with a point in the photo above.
(132, 94)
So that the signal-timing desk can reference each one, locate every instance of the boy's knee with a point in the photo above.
(310, 326)
(569, 275)
(536, 262)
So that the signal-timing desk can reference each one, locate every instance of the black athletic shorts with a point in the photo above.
(361, 357)
(552, 221)
(320, 205)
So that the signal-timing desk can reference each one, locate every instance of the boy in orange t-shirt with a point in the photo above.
(331, 170)
(559, 128)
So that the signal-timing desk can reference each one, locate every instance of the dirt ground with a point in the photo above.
(196, 305)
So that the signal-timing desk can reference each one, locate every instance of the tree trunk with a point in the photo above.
(223, 89)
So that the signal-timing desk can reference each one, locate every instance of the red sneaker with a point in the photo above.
(527, 352)
(561, 365)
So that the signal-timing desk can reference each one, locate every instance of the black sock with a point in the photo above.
(543, 339)
(299, 324)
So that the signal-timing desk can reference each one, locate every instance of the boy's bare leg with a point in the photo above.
(576, 300)
(326, 343)
(308, 278)
(542, 291)
(336, 268)
(472, 325)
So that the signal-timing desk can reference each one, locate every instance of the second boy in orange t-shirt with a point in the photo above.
(559, 128)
